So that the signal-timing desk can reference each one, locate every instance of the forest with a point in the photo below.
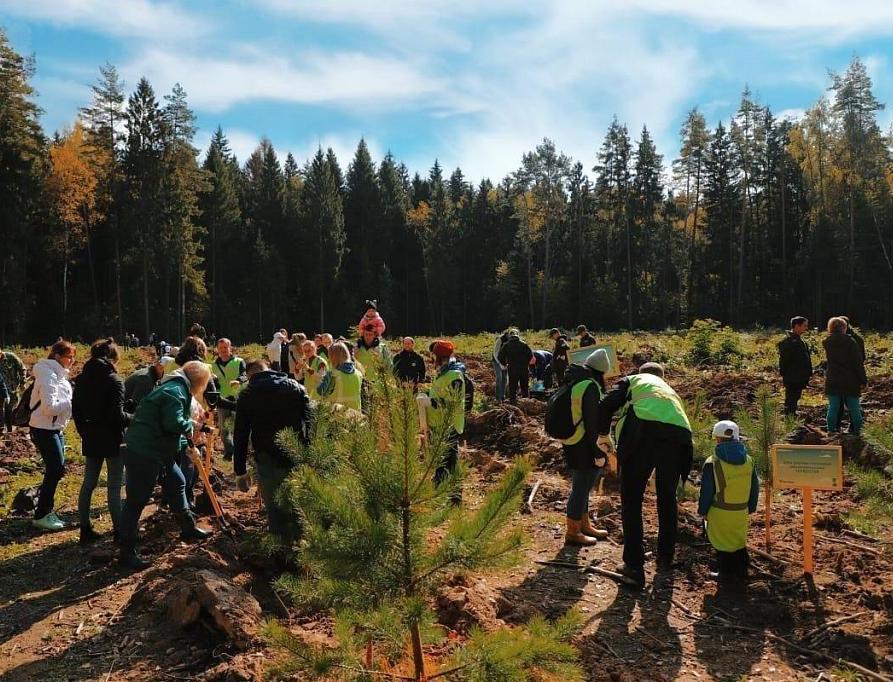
(119, 224)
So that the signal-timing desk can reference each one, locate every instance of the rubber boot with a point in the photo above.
(129, 558)
(587, 529)
(188, 529)
(573, 536)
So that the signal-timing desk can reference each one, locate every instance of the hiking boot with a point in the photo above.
(188, 530)
(49, 522)
(635, 577)
(89, 536)
(587, 529)
(129, 558)
(574, 536)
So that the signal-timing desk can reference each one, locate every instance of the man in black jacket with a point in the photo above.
(794, 363)
(516, 355)
(409, 365)
(269, 403)
(586, 339)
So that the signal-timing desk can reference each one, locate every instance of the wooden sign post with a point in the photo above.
(807, 468)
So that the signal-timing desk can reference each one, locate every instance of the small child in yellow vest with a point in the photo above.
(729, 491)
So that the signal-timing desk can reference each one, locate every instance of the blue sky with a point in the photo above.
(473, 84)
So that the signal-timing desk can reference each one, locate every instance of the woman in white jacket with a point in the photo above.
(50, 412)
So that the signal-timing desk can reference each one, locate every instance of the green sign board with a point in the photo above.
(578, 356)
(819, 467)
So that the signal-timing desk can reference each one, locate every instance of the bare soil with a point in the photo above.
(70, 613)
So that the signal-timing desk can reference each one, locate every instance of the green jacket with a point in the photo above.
(162, 422)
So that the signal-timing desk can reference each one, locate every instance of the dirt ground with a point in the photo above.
(70, 613)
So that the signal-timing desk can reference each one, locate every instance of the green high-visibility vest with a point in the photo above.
(348, 389)
(319, 367)
(367, 356)
(229, 372)
(446, 401)
(727, 518)
(652, 399)
(577, 409)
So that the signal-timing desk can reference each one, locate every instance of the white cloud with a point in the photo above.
(126, 18)
(793, 114)
(350, 79)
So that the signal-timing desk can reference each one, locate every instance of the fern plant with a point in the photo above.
(380, 537)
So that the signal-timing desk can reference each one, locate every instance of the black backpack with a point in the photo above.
(559, 423)
(21, 415)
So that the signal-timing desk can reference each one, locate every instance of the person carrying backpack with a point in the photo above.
(572, 417)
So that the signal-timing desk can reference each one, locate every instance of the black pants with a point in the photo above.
(792, 393)
(449, 464)
(732, 564)
(559, 367)
(516, 382)
(671, 462)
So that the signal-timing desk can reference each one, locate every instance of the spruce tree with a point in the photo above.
(380, 538)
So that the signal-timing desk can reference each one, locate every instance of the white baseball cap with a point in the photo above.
(725, 429)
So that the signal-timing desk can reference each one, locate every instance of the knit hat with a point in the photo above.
(372, 304)
(652, 368)
(599, 360)
(442, 349)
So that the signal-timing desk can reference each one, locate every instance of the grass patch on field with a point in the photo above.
(875, 490)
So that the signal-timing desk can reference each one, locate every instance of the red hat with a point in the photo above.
(442, 349)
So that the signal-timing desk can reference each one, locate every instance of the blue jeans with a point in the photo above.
(142, 473)
(501, 380)
(582, 482)
(190, 473)
(853, 407)
(51, 446)
(114, 474)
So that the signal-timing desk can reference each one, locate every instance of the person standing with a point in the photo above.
(296, 357)
(155, 440)
(653, 435)
(845, 376)
(315, 368)
(409, 366)
(50, 411)
(560, 357)
(98, 411)
(274, 351)
(794, 363)
(447, 406)
(854, 335)
(230, 372)
(343, 383)
(371, 349)
(269, 403)
(582, 456)
(516, 355)
(325, 343)
(499, 369)
(12, 375)
(586, 339)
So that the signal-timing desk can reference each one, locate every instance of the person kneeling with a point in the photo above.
(269, 403)
(157, 435)
(729, 491)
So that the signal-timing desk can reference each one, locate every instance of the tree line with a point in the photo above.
(116, 224)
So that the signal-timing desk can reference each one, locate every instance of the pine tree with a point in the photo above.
(365, 490)
(322, 213)
(721, 201)
(365, 254)
(221, 217)
(652, 244)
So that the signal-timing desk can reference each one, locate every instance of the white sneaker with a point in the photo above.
(57, 519)
(48, 522)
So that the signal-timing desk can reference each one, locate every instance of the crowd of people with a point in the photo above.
(151, 427)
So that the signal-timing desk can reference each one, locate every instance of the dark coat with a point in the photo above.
(98, 409)
(515, 354)
(582, 455)
(270, 402)
(794, 360)
(409, 366)
(846, 369)
(587, 340)
(560, 351)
